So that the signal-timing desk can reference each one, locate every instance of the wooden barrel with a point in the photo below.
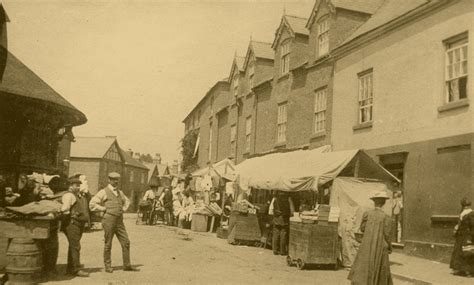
(24, 262)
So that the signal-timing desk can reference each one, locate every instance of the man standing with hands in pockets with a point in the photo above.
(113, 203)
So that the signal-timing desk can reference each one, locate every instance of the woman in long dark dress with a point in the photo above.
(461, 263)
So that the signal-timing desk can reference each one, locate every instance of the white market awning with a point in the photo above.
(306, 169)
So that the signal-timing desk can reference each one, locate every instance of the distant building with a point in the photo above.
(156, 170)
(95, 157)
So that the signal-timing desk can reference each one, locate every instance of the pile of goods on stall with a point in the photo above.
(38, 195)
(210, 210)
(320, 214)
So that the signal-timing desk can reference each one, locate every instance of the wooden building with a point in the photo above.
(34, 118)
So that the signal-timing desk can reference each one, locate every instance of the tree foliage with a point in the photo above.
(188, 144)
(146, 158)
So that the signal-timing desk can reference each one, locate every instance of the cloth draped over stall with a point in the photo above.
(304, 170)
(224, 168)
(352, 196)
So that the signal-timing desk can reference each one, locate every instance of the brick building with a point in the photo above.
(387, 76)
(95, 157)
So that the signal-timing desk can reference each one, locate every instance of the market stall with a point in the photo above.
(322, 233)
(35, 135)
(209, 186)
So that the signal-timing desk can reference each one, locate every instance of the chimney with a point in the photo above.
(130, 152)
(157, 158)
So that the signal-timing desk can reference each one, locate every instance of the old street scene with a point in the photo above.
(236, 142)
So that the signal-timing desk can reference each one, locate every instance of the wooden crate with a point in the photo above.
(199, 223)
(313, 244)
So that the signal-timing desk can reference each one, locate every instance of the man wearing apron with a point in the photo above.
(113, 203)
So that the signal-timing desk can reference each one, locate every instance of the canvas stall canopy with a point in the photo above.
(305, 170)
(352, 196)
(224, 168)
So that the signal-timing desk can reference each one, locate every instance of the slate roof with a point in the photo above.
(390, 10)
(364, 6)
(91, 147)
(17, 79)
(130, 161)
(262, 50)
(297, 24)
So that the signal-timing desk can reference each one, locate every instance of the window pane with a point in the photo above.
(462, 87)
(457, 55)
(450, 57)
(464, 53)
(464, 67)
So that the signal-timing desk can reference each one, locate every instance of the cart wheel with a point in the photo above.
(300, 264)
(289, 261)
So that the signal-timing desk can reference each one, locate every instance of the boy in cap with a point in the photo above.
(76, 213)
(113, 203)
(371, 265)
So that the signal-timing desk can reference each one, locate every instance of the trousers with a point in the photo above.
(113, 225)
(280, 239)
(73, 231)
(169, 217)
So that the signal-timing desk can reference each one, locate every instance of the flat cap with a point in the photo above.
(114, 175)
(74, 180)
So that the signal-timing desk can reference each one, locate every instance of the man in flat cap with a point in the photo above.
(76, 215)
(113, 203)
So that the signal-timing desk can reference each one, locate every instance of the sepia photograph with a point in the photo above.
(236, 142)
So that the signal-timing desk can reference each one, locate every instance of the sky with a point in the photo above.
(137, 68)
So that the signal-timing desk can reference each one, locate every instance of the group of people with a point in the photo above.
(74, 215)
(177, 204)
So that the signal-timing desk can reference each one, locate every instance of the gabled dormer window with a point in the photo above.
(285, 57)
(251, 74)
(236, 84)
(323, 36)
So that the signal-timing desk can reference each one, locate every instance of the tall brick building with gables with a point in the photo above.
(387, 76)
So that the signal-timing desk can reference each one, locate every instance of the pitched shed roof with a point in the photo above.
(17, 79)
(91, 147)
(389, 11)
(130, 161)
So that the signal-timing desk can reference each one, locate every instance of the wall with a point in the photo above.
(438, 173)
(408, 85)
(265, 119)
(406, 100)
(90, 168)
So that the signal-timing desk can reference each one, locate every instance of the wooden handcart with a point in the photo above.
(313, 243)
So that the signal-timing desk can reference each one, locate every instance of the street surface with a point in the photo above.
(168, 255)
